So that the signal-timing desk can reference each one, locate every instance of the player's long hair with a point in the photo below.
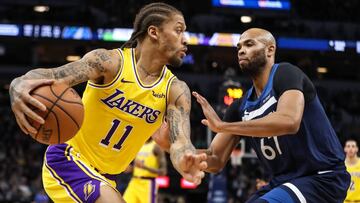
(152, 14)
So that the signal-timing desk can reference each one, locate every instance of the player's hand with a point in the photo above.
(212, 119)
(139, 163)
(191, 166)
(22, 102)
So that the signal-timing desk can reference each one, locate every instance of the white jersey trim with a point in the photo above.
(297, 192)
(252, 114)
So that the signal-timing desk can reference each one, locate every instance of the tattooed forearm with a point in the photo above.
(173, 119)
(74, 73)
(91, 66)
(179, 111)
(40, 73)
(177, 153)
(179, 123)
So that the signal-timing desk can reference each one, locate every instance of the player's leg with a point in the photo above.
(67, 178)
(141, 191)
(151, 191)
(130, 194)
(109, 195)
(325, 187)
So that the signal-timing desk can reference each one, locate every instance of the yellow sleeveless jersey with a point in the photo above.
(353, 193)
(147, 156)
(120, 116)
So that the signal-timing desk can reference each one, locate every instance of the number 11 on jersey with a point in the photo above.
(115, 124)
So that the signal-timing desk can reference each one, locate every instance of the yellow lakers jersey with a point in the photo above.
(353, 193)
(147, 156)
(120, 116)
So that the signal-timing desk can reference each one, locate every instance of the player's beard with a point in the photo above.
(256, 64)
(175, 61)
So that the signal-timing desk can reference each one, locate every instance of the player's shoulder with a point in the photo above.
(287, 65)
(286, 68)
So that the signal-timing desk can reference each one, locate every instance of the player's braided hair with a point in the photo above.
(151, 14)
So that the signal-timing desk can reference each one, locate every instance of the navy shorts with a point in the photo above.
(324, 187)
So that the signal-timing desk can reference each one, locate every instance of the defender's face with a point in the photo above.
(251, 54)
(351, 149)
(172, 41)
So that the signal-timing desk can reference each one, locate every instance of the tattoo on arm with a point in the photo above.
(179, 113)
(173, 119)
(91, 66)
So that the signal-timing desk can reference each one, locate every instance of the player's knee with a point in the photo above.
(109, 195)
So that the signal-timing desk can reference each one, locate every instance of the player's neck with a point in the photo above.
(148, 62)
(261, 80)
(352, 160)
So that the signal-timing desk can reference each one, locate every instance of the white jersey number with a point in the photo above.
(268, 152)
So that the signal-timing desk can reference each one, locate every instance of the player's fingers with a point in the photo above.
(188, 177)
(36, 83)
(203, 165)
(202, 99)
(205, 122)
(34, 102)
(199, 98)
(31, 114)
(23, 122)
(202, 156)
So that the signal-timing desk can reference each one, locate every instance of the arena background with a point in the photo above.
(321, 37)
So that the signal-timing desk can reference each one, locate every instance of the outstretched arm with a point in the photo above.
(182, 152)
(98, 65)
(285, 120)
(219, 151)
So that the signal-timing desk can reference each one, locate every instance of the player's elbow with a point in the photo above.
(292, 126)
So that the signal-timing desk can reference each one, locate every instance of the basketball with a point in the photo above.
(63, 116)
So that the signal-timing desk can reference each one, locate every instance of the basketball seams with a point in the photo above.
(60, 107)
(61, 99)
(50, 109)
(47, 114)
(67, 102)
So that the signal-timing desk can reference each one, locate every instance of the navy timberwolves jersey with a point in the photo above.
(315, 147)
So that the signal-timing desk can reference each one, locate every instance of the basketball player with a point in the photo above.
(281, 116)
(150, 162)
(128, 94)
(352, 163)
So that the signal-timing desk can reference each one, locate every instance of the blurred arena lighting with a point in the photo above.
(184, 184)
(322, 70)
(41, 8)
(163, 181)
(72, 58)
(245, 19)
(214, 64)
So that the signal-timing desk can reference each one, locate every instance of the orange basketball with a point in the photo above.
(63, 116)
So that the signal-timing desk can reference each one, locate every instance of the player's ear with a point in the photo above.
(153, 32)
(270, 50)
